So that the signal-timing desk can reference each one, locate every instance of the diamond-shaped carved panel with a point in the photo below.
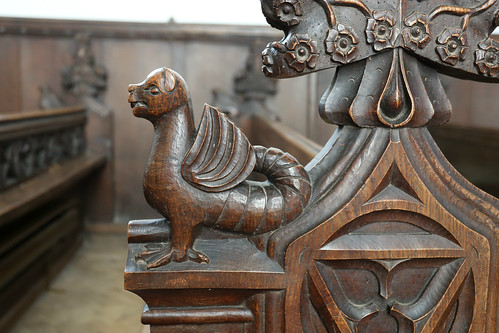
(405, 253)
(375, 291)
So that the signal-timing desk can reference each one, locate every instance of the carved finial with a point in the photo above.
(85, 79)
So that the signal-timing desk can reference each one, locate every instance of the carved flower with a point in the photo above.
(380, 30)
(301, 52)
(288, 11)
(340, 43)
(453, 46)
(487, 57)
(417, 34)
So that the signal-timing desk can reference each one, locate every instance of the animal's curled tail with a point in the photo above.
(258, 207)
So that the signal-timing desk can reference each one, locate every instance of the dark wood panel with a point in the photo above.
(10, 72)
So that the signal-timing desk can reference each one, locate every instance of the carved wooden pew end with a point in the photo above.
(42, 166)
(378, 233)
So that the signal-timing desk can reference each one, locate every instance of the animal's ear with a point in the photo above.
(169, 80)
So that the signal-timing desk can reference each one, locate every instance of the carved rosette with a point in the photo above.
(288, 11)
(487, 57)
(381, 30)
(341, 44)
(453, 46)
(417, 33)
(301, 52)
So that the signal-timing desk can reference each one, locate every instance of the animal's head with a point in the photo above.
(162, 91)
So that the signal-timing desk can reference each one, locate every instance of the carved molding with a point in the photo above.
(241, 35)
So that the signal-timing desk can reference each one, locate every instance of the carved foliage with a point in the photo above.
(341, 44)
(301, 52)
(288, 11)
(420, 29)
(410, 93)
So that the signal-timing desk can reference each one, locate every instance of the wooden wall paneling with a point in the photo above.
(10, 74)
(474, 153)
(178, 55)
(42, 60)
(290, 109)
(484, 109)
(211, 66)
(233, 34)
(460, 93)
(129, 136)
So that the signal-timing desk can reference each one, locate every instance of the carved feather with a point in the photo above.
(221, 156)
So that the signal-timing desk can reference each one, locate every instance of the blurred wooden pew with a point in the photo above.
(44, 170)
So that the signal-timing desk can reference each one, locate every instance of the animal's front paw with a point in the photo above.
(159, 257)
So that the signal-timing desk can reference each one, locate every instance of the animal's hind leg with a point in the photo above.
(180, 249)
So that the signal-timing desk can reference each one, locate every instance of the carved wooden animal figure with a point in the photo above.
(194, 179)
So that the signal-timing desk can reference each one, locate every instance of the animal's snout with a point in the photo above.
(132, 93)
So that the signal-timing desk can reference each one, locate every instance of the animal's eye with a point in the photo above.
(154, 90)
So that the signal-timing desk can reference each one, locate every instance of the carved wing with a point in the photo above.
(221, 156)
